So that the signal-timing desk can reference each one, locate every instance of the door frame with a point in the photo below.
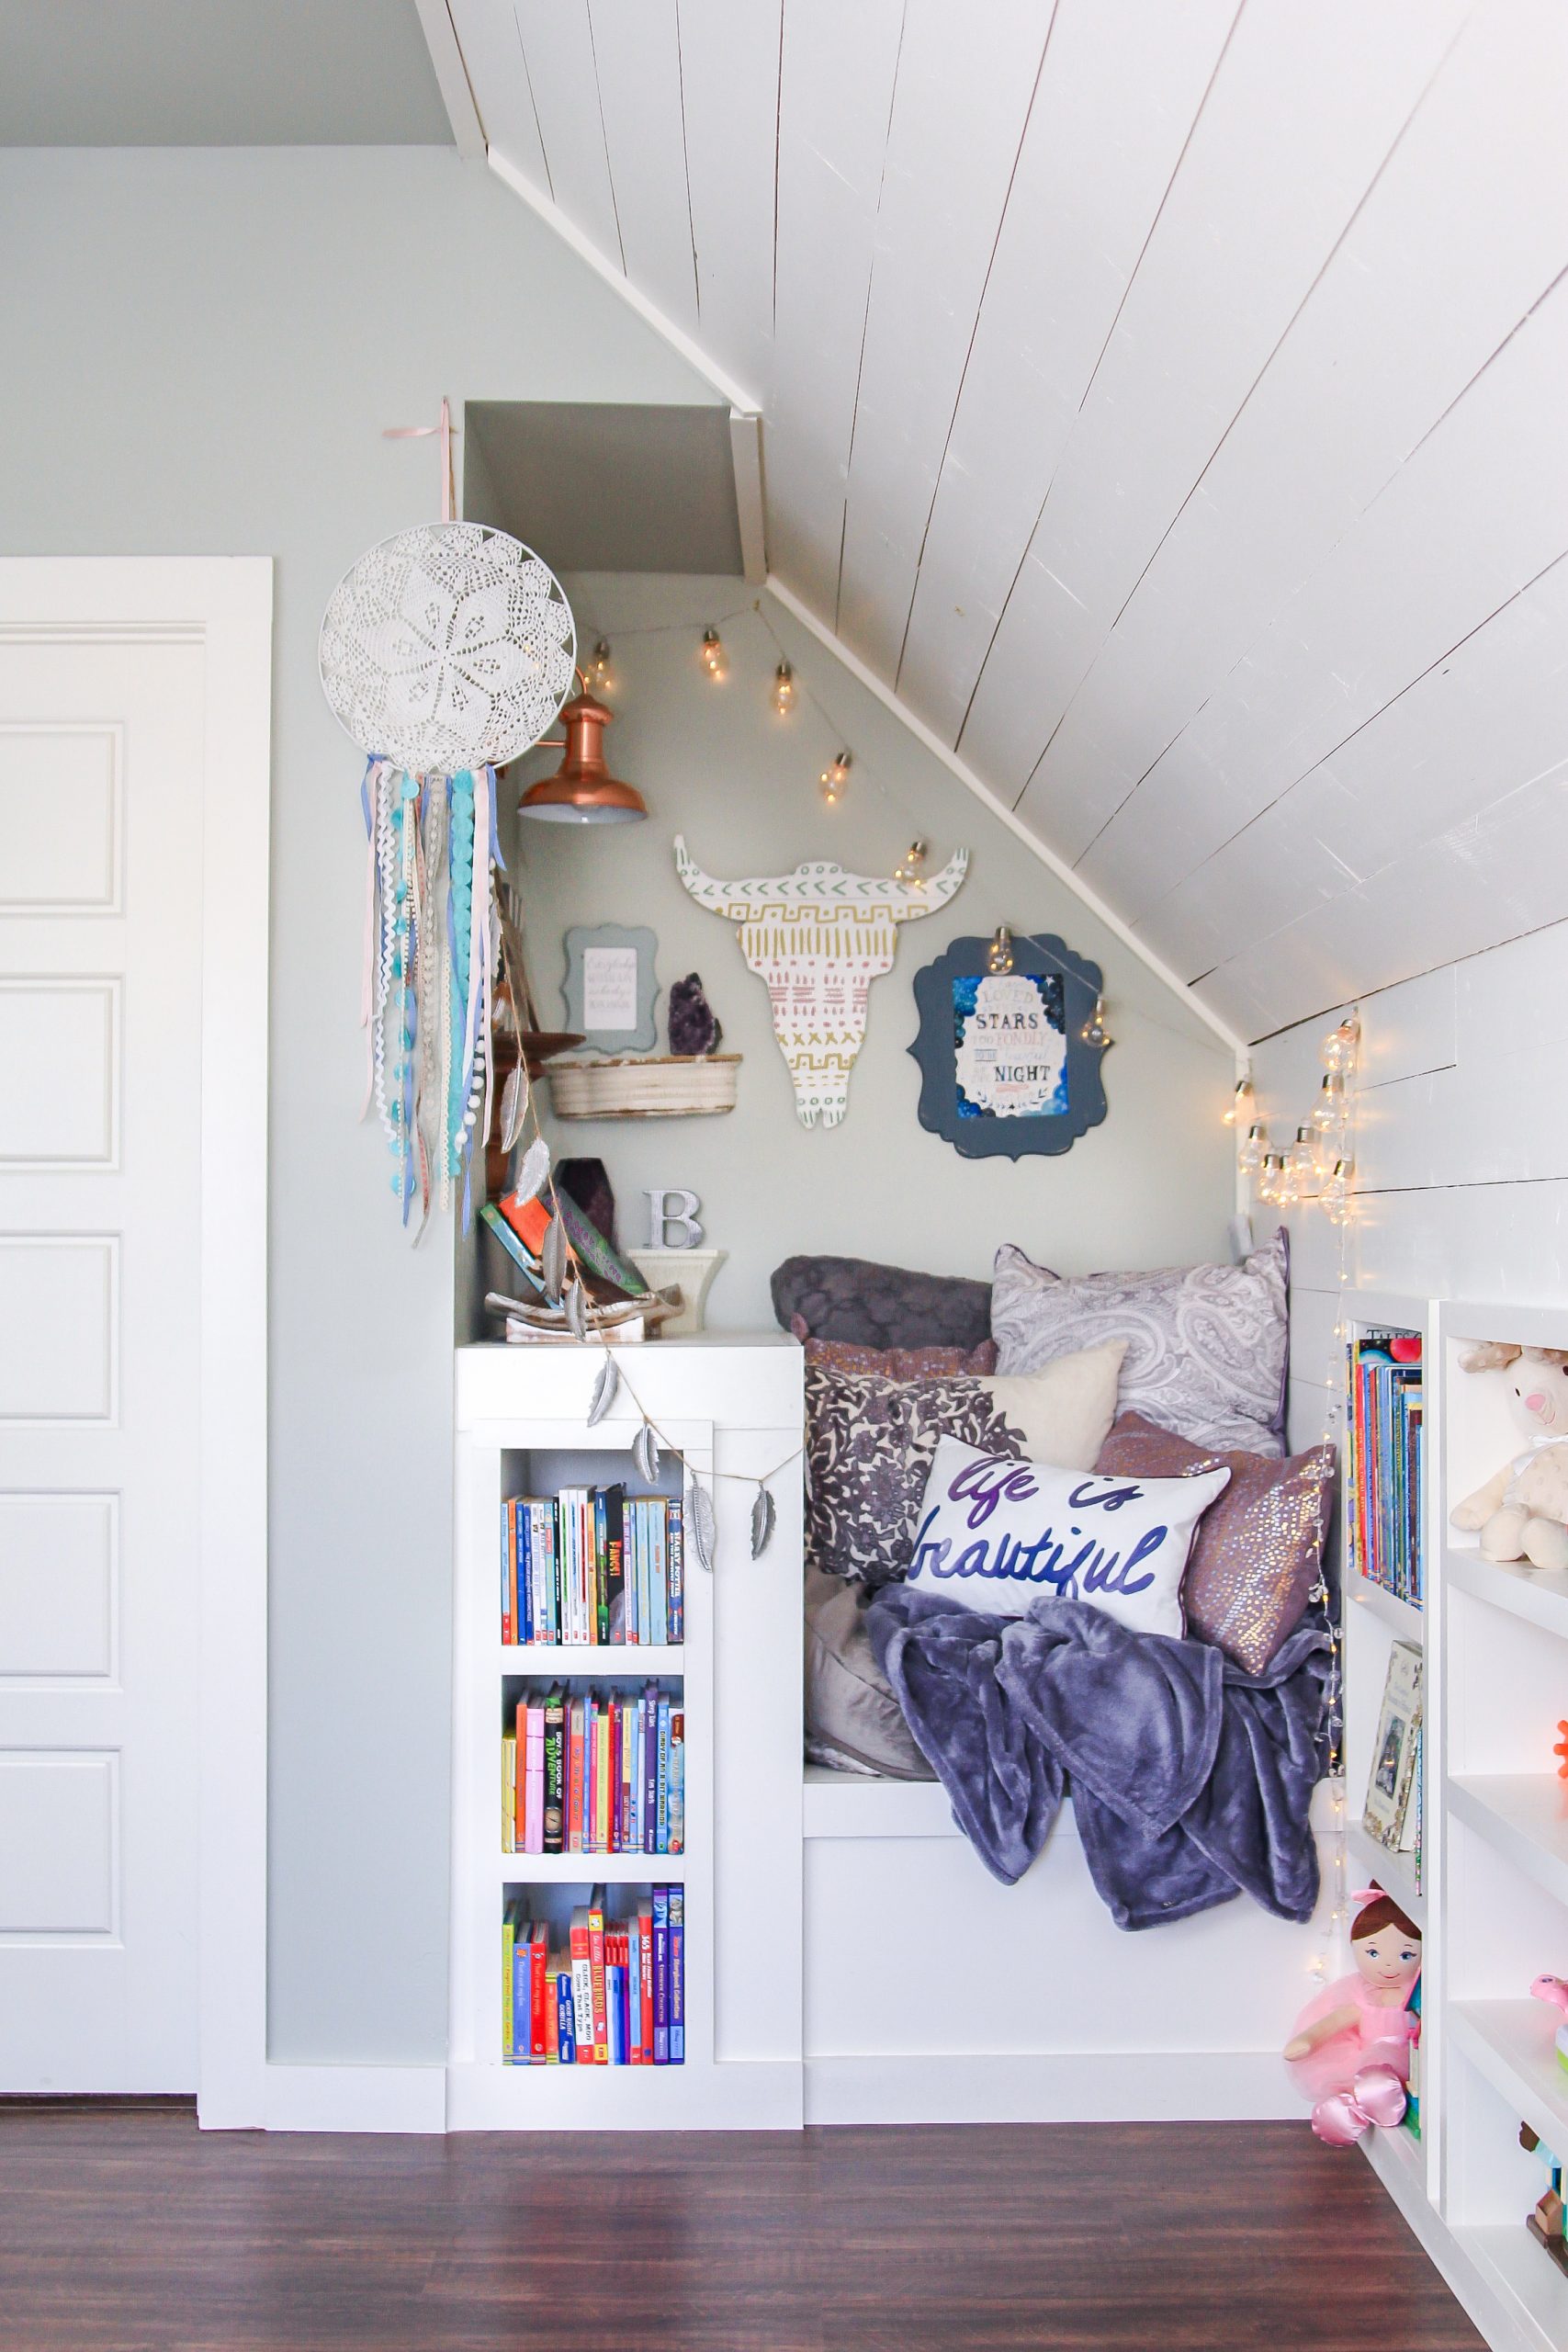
(224, 604)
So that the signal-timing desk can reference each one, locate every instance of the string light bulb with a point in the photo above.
(1094, 1032)
(834, 777)
(1304, 1161)
(1242, 1105)
(1269, 1178)
(998, 955)
(1335, 1198)
(1255, 1150)
(1339, 1046)
(716, 662)
(1329, 1108)
(784, 690)
(908, 866)
(599, 675)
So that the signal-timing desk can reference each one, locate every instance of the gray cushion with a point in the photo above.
(1207, 1346)
(881, 1307)
(853, 1721)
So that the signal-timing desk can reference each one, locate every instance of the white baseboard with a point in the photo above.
(1166, 2087)
(356, 2098)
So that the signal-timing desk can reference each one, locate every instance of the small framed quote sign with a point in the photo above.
(1004, 1063)
(610, 988)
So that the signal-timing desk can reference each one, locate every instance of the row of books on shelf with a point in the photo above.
(1395, 1794)
(615, 1997)
(593, 1566)
(596, 1772)
(1384, 1467)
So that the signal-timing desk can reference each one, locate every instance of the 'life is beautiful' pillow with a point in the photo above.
(995, 1531)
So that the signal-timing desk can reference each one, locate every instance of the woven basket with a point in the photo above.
(645, 1086)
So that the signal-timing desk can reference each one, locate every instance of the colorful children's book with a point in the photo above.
(662, 1976)
(521, 1257)
(508, 1944)
(596, 1976)
(677, 1976)
(581, 1988)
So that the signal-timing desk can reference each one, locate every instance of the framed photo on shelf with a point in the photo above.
(1395, 1751)
(610, 987)
(1006, 1064)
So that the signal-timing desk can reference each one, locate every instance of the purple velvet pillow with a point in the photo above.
(1256, 1556)
(881, 1307)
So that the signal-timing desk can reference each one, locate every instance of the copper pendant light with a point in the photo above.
(583, 791)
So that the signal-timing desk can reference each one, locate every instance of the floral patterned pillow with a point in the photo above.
(870, 1442)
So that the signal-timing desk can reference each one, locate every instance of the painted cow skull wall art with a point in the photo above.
(818, 937)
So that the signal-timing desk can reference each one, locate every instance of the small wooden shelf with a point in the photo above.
(1408, 1622)
(1513, 2044)
(1524, 1816)
(1394, 1872)
(554, 1659)
(1538, 1595)
(589, 1870)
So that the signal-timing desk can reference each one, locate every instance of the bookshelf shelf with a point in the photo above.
(1405, 1619)
(589, 1660)
(1524, 1816)
(1538, 1595)
(1513, 2044)
(1392, 1872)
(729, 1413)
(1527, 2287)
(584, 1870)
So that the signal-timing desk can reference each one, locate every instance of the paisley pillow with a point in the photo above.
(1206, 1345)
(870, 1443)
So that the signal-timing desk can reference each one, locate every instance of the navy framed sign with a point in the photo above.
(1005, 1065)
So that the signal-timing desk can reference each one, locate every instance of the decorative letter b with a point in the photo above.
(672, 1219)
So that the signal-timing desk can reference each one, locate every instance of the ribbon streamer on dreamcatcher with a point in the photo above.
(445, 653)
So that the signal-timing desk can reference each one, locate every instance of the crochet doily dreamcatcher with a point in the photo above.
(445, 651)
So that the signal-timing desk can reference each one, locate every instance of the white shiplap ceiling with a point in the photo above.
(1166, 396)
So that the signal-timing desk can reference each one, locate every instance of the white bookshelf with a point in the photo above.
(1493, 1904)
(733, 1407)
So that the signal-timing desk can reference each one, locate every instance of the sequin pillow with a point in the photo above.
(996, 1533)
(870, 1442)
(1258, 1547)
(1206, 1345)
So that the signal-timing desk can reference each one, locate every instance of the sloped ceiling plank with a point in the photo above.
(1447, 544)
(498, 75)
(1304, 110)
(637, 54)
(558, 44)
(936, 232)
(1498, 711)
(1460, 234)
(730, 65)
(832, 136)
(1474, 730)
(1121, 85)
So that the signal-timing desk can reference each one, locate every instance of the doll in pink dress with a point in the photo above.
(1351, 2050)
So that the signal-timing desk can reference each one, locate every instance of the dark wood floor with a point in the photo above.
(126, 2231)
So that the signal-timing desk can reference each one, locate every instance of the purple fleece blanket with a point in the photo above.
(1190, 1780)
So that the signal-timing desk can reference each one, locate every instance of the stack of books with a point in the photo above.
(616, 1996)
(1384, 1490)
(593, 1566)
(596, 1772)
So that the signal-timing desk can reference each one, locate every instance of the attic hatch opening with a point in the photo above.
(606, 486)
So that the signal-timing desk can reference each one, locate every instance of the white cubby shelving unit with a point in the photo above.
(1493, 1904)
(733, 1407)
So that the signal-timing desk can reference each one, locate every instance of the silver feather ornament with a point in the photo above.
(645, 1453)
(763, 1520)
(511, 1109)
(552, 1260)
(700, 1524)
(576, 1313)
(536, 1163)
(604, 1389)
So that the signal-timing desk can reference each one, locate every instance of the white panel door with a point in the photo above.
(101, 748)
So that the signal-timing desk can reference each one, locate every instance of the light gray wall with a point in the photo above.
(200, 351)
(1151, 1186)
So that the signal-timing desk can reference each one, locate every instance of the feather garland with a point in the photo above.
(552, 1260)
(605, 1391)
(763, 1520)
(701, 1524)
(534, 1168)
(576, 1317)
(645, 1453)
